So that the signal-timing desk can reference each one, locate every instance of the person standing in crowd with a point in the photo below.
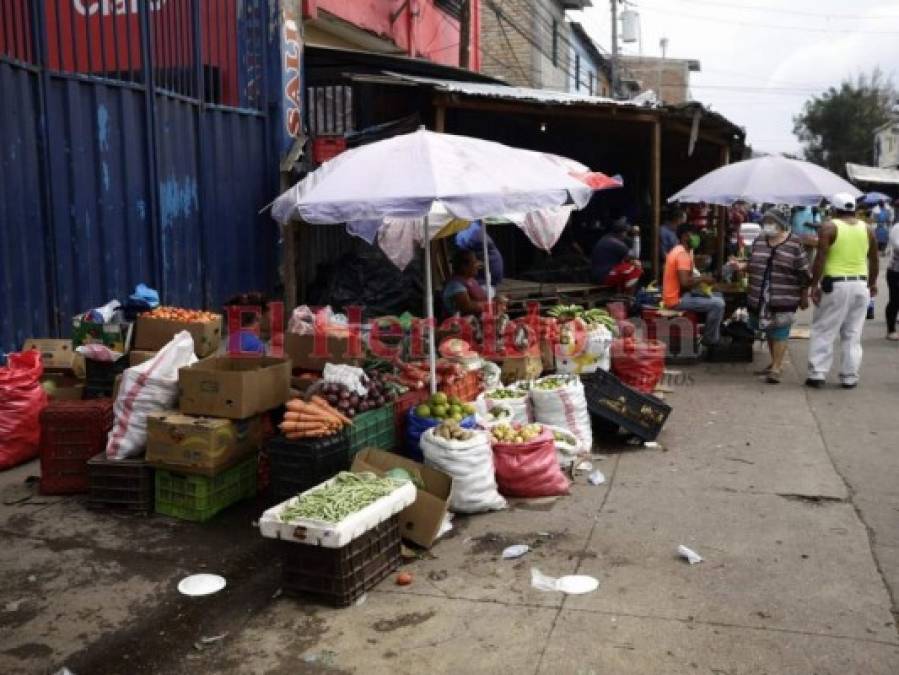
(738, 216)
(698, 215)
(611, 263)
(680, 282)
(805, 222)
(472, 239)
(844, 279)
(778, 286)
(883, 221)
(893, 283)
(668, 234)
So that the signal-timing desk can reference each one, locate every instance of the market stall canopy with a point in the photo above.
(405, 176)
(766, 180)
(872, 174)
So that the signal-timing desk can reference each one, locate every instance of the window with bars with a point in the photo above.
(330, 109)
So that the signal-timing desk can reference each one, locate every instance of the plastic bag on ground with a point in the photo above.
(22, 398)
(639, 364)
(564, 407)
(148, 387)
(470, 465)
(529, 469)
(98, 352)
(595, 355)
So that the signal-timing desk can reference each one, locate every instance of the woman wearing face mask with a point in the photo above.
(778, 286)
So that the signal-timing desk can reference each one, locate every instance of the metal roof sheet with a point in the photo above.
(872, 174)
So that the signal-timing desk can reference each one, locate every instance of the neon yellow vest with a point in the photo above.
(848, 255)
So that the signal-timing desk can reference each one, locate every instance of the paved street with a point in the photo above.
(790, 495)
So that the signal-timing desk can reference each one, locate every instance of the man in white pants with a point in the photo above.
(844, 279)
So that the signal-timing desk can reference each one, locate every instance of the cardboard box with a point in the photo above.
(138, 356)
(421, 521)
(236, 388)
(199, 445)
(55, 354)
(521, 368)
(298, 349)
(154, 334)
(116, 336)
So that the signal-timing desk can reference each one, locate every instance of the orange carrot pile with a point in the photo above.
(314, 419)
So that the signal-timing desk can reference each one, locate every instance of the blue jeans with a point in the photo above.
(712, 307)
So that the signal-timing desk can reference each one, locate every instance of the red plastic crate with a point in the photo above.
(327, 147)
(71, 433)
(401, 407)
(467, 388)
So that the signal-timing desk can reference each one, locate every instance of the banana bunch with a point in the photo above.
(599, 316)
(565, 312)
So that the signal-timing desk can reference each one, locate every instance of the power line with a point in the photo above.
(738, 22)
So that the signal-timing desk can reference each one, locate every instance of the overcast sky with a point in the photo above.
(761, 59)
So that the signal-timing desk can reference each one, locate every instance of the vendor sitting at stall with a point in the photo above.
(472, 239)
(611, 263)
(683, 289)
(462, 294)
(249, 338)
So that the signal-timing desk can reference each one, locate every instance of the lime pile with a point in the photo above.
(506, 433)
(443, 407)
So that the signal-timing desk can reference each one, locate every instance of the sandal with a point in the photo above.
(773, 377)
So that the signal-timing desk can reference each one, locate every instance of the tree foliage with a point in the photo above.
(838, 126)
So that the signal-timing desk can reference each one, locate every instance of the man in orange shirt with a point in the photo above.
(679, 283)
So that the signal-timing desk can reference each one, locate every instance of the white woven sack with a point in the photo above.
(470, 465)
(148, 387)
(565, 407)
(520, 407)
(566, 453)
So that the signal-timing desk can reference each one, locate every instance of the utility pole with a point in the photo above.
(465, 34)
(614, 48)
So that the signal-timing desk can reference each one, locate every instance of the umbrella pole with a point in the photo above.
(487, 267)
(429, 299)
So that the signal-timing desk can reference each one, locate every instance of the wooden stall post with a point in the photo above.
(656, 197)
(723, 223)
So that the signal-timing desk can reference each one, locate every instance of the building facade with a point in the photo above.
(669, 78)
(589, 73)
(427, 29)
(528, 43)
(886, 145)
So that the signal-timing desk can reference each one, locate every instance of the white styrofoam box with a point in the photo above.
(335, 535)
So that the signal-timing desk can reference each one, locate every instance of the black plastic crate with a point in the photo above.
(126, 484)
(731, 351)
(340, 576)
(100, 376)
(609, 398)
(298, 465)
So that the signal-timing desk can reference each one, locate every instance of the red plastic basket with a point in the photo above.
(71, 433)
(402, 405)
(467, 388)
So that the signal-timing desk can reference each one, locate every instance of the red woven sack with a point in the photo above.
(21, 400)
(529, 469)
(640, 364)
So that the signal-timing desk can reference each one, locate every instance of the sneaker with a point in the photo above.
(773, 377)
(847, 385)
(814, 384)
(893, 336)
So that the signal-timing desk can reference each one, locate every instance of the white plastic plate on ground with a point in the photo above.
(577, 584)
(201, 584)
(335, 535)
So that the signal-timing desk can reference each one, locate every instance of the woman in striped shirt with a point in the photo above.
(778, 286)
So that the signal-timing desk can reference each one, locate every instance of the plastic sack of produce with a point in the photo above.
(525, 460)
(21, 401)
(594, 355)
(470, 464)
(514, 398)
(559, 400)
(639, 363)
(568, 447)
(417, 425)
(148, 387)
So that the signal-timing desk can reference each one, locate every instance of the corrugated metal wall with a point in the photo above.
(137, 183)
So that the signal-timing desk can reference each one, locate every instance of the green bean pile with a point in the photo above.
(349, 493)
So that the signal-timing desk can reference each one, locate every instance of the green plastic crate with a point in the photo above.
(199, 498)
(373, 429)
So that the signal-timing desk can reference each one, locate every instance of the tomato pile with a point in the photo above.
(181, 314)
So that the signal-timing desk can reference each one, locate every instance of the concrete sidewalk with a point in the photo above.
(791, 497)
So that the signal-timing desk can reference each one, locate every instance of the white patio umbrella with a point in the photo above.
(766, 180)
(406, 178)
